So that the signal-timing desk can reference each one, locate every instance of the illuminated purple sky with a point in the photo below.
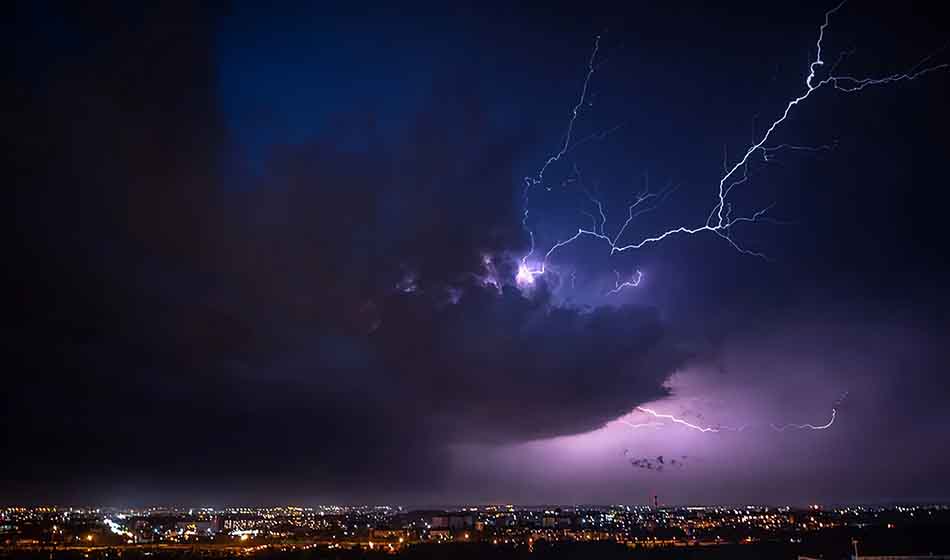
(272, 256)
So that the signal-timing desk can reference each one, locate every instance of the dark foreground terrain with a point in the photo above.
(832, 544)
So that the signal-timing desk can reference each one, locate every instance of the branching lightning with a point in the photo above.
(720, 428)
(720, 220)
(632, 283)
(675, 420)
(539, 177)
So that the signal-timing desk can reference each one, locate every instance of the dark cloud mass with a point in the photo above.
(174, 328)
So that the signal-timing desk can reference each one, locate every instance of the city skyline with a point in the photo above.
(748, 531)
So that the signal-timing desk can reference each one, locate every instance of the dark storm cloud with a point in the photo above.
(175, 328)
(508, 367)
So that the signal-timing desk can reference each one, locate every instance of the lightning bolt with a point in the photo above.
(825, 426)
(720, 220)
(539, 176)
(632, 283)
(641, 425)
(676, 420)
(834, 413)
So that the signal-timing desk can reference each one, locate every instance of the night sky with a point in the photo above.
(268, 254)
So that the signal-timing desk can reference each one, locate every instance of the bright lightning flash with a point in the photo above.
(676, 420)
(525, 277)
